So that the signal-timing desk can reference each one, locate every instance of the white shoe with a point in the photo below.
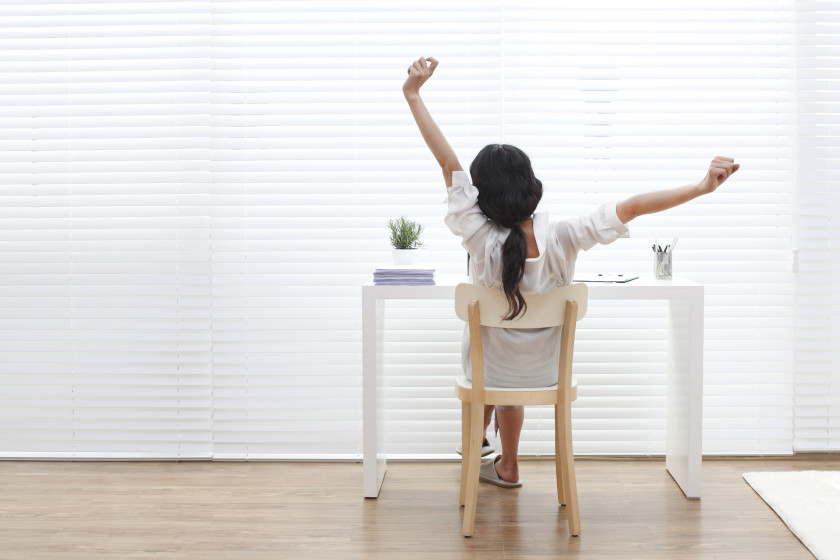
(488, 473)
(486, 448)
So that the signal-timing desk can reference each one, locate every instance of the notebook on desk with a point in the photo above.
(604, 277)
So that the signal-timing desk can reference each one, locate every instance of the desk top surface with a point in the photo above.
(644, 287)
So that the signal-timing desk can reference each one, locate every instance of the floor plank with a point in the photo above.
(227, 510)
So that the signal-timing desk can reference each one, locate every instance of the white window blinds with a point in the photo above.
(817, 387)
(285, 222)
(105, 243)
(193, 193)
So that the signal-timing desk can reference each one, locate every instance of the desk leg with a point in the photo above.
(683, 451)
(373, 409)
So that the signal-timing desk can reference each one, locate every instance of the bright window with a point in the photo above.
(193, 193)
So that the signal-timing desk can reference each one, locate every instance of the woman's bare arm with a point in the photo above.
(648, 203)
(420, 71)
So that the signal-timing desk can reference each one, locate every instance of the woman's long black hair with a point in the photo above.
(508, 193)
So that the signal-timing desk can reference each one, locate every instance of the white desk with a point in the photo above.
(683, 453)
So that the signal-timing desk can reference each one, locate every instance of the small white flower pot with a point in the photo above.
(405, 256)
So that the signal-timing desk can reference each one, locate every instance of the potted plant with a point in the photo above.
(405, 239)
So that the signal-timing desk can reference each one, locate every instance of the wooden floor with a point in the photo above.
(244, 511)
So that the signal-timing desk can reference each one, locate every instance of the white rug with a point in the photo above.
(809, 504)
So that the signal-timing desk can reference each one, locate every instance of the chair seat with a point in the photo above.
(514, 396)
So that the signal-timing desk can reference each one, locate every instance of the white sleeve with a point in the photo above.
(584, 232)
(463, 216)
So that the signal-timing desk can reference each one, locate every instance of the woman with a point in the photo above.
(517, 251)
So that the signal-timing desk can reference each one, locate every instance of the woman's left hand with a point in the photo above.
(420, 71)
(719, 171)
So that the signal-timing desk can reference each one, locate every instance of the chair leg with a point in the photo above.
(465, 445)
(567, 464)
(473, 465)
(558, 451)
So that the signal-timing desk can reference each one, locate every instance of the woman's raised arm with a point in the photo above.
(420, 71)
(719, 171)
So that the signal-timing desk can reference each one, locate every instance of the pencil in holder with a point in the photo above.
(662, 265)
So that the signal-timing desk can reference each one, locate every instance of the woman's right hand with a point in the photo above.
(420, 71)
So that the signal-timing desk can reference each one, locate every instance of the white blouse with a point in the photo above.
(523, 357)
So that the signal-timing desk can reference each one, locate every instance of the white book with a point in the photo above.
(406, 274)
(400, 268)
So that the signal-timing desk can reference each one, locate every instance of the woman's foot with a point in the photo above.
(488, 473)
(507, 469)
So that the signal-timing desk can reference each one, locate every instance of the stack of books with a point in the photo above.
(404, 274)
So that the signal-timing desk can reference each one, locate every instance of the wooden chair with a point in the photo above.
(479, 305)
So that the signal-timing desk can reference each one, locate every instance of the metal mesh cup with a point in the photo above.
(662, 265)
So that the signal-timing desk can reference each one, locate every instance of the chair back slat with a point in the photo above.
(544, 310)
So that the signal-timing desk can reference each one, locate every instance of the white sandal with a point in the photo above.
(488, 473)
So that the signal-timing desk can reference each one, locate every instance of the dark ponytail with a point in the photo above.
(514, 252)
(508, 192)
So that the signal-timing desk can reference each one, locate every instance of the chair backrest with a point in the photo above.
(544, 310)
(482, 306)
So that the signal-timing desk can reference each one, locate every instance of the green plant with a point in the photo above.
(405, 234)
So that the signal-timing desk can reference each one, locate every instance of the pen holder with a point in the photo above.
(662, 265)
